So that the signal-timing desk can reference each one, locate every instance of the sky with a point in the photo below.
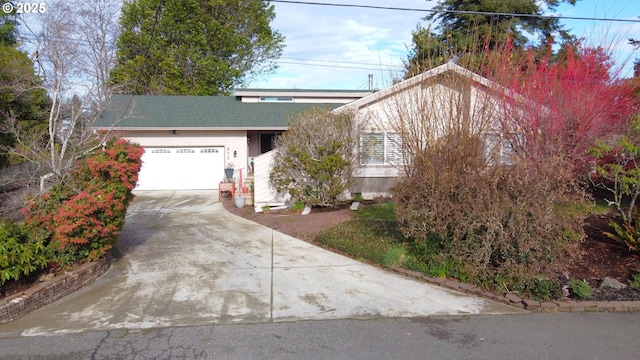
(338, 47)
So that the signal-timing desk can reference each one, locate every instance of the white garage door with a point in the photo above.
(181, 168)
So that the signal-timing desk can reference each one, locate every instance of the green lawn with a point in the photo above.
(373, 235)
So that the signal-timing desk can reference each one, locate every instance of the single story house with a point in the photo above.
(189, 140)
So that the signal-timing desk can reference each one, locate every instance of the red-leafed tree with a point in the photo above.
(567, 101)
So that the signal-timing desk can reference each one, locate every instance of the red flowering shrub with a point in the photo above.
(567, 102)
(117, 163)
(82, 220)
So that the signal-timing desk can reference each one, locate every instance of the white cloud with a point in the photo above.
(353, 41)
(380, 38)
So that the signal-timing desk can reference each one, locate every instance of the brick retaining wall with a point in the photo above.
(46, 292)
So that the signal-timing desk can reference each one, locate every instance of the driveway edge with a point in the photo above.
(530, 305)
(46, 292)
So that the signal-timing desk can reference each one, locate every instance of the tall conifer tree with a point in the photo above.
(468, 29)
(194, 47)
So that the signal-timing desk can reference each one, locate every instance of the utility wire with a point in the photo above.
(456, 11)
(369, 66)
(339, 62)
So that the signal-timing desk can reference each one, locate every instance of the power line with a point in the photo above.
(341, 62)
(456, 11)
(334, 66)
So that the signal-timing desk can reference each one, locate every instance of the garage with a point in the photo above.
(189, 168)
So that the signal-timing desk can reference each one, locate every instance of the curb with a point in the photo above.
(527, 304)
(46, 292)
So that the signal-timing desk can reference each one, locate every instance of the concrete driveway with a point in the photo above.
(184, 260)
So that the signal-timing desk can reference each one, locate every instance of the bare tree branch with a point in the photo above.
(73, 57)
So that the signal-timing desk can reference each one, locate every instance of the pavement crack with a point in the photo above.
(99, 345)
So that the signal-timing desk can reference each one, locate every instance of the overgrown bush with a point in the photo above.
(81, 219)
(495, 222)
(474, 203)
(315, 158)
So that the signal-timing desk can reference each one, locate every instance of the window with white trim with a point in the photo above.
(380, 148)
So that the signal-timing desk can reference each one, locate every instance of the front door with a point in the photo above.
(267, 142)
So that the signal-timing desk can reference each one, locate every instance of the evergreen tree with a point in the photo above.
(462, 31)
(193, 47)
(22, 100)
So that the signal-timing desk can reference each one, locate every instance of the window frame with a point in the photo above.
(389, 155)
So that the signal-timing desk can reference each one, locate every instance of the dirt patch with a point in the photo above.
(598, 256)
(17, 287)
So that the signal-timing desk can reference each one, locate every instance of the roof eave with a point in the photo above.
(182, 128)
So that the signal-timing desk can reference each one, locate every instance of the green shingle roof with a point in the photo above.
(200, 112)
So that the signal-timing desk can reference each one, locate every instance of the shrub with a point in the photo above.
(627, 234)
(80, 220)
(618, 172)
(480, 189)
(634, 282)
(496, 221)
(19, 255)
(580, 289)
(114, 169)
(544, 289)
(315, 158)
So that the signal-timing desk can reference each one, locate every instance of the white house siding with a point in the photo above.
(410, 104)
(372, 187)
(264, 193)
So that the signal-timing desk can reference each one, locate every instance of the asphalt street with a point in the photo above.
(566, 336)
